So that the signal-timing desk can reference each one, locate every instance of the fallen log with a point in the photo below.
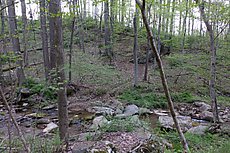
(14, 67)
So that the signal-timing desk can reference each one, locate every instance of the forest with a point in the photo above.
(115, 76)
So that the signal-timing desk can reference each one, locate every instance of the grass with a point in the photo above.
(207, 143)
(147, 98)
(37, 144)
(122, 125)
(91, 71)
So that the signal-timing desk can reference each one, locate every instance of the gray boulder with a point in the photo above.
(99, 122)
(207, 116)
(199, 130)
(131, 110)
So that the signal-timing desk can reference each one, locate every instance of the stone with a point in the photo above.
(49, 107)
(168, 123)
(51, 126)
(202, 106)
(99, 122)
(143, 111)
(199, 130)
(103, 110)
(135, 120)
(206, 115)
(131, 110)
(43, 121)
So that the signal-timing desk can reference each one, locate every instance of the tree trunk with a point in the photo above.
(135, 83)
(15, 40)
(123, 12)
(184, 27)
(57, 39)
(24, 39)
(71, 41)
(212, 82)
(44, 37)
(163, 77)
(107, 31)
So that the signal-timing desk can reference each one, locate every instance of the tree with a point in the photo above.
(44, 37)
(24, 39)
(135, 49)
(212, 82)
(162, 74)
(15, 40)
(57, 42)
(108, 51)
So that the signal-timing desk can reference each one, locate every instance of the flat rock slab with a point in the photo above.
(199, 130)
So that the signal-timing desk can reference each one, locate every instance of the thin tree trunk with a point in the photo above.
(71, 42)
(123, 12)
(163, 77)
(171, 24)
(184, 27)
(24, 39)
(15, 40)
(57, 39)
(107, 31)
(212, 82)
(135, 83)
(44, 37)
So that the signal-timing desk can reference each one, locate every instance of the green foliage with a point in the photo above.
(37, 144)
(207, 143)
(147, 98)
(115, 125)
(48, 91)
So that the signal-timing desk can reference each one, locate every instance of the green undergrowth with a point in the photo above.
(89, 70)
(122, 125)
(36, 144)
(147, 98)
(40, 88)
(207, 143)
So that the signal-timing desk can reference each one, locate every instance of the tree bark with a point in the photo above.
(71, 41)
(162, 74)
(24, 38)
(15, 40)
(107, 31)
(44, 37)
(135, 83)
(57, 39)
(212, 81)
(184, 28)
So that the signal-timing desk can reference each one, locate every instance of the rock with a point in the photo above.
(49, 107)
(99, 122)
(161, 112)
(131, 110)
(168, 123)
(88, 136)
(103, 110)
(206, 115)
(135, 120)
(143, 111)
(51, 126)
(202, 106)
(24, 93)
(199, 130)
(81, 147)
(43, 121)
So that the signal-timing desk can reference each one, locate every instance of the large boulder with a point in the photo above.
(199, 130)
(202, 106)
(207, 116)
(98, 122)
(131, 110)
(168, 123)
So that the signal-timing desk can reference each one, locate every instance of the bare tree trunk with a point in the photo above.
(15, 40)
(163, 77)
(71, 41)
(184, 27)
(148, 48)
(2, 34)
(171, 23)
(107, 31)
(123, 12)
(212, 82)
(24, 39)
(180, 19)
(135, 83)
(44, 37)
(57, 39)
